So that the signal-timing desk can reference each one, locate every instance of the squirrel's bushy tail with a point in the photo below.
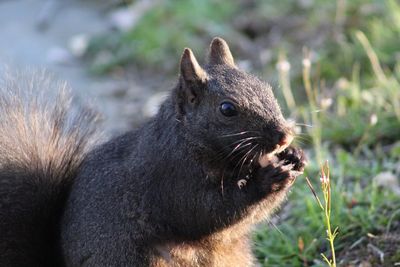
(44, 138)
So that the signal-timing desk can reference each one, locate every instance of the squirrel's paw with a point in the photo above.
(293, 156)
(276, 177)
(282, 174)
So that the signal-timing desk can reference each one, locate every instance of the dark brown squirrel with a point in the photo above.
(184, 189)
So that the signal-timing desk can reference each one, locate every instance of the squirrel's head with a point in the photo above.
(227, 111)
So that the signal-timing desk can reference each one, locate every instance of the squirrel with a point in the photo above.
(184, 189)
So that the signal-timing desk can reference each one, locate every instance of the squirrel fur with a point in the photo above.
(184, 189)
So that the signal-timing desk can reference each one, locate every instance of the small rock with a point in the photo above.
(122, 19)
(78, 44)
(125, 19)
(59, 55)
(388, 180)
(152, 105)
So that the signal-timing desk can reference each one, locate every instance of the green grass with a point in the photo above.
(358, 208)
(347, 92)
(362, 119)
(162, 33)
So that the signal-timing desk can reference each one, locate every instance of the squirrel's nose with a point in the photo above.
(285, 140)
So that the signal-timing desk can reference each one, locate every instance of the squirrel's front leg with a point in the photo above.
(266, 189)
(221, 206)
(280, 173)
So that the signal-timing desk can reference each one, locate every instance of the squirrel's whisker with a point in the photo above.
(244, 158)
(303, 137)
(221, 152)
(303, 124)
(237, 148)
(240, 133)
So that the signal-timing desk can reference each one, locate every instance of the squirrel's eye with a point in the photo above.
(228, 109)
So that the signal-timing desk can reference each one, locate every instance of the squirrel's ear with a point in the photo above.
(219, 53)
(192, 79)
(191, 71)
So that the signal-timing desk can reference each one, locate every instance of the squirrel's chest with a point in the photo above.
(203, 253)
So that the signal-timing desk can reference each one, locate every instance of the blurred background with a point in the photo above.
(334, 66)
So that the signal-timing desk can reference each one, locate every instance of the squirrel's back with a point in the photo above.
(44, 138)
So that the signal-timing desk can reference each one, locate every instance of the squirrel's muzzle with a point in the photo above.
(285, 140)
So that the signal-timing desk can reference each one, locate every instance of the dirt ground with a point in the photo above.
(37, 34)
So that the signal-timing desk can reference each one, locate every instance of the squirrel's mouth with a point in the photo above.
(261, 159)
(255, 155)
(266, 158)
